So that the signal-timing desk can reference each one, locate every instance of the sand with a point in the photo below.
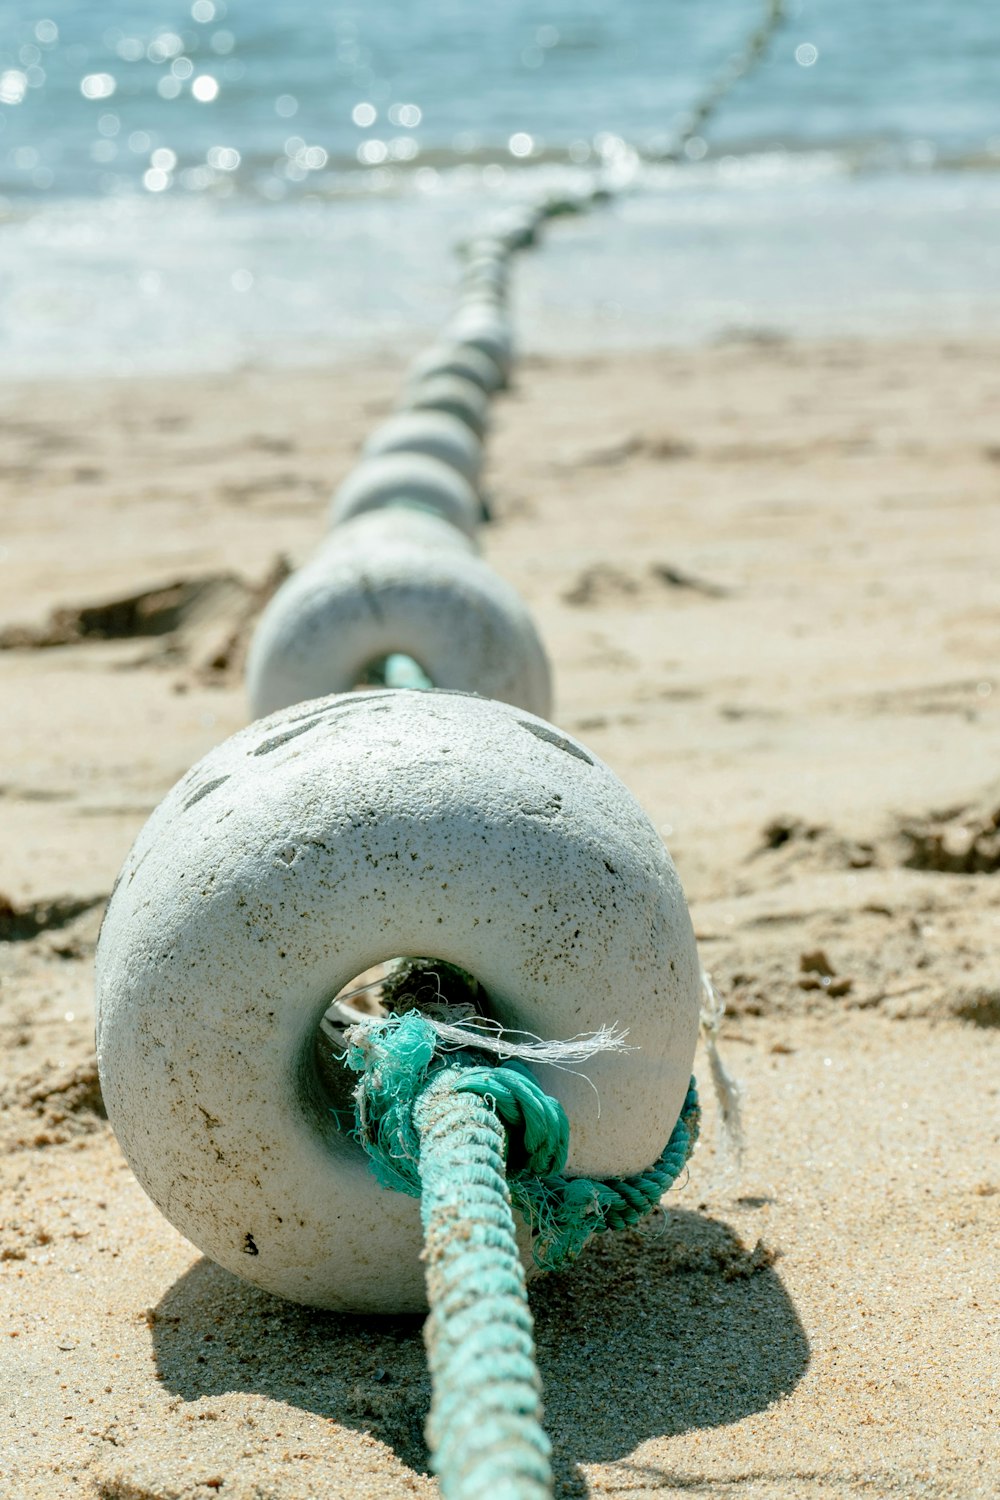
(766, 574)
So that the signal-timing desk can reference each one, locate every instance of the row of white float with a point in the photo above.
(338, 832)
(399, 571)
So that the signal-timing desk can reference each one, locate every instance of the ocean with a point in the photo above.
(210, 184)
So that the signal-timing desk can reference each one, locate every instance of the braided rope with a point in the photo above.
(566, 1212)
(473, 1141)
(485, 1426)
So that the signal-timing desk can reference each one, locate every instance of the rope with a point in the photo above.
(473, 1140)
(396, 671)
(485, 1427)
(739, 66)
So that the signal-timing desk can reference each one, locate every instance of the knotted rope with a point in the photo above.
(473, 1140)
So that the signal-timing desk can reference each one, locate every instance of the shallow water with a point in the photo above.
(208, 184)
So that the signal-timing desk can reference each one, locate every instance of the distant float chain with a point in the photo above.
(376, 591)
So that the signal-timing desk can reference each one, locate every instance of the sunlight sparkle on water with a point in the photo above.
(223, 158)
(165, 46)
(13, 86)
(371, 153)
(407, 115)
(98, 86)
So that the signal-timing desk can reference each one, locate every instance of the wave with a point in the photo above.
(307, 170)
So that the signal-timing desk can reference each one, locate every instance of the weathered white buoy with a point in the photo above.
(483, 245)
(454, 358)
(354, 604)
(410, 525)
(452, 394)
(307, 848)
(487, 330)
(485, 271)
(434, 433)
(482, 289)
(478, 299)
(401, 479)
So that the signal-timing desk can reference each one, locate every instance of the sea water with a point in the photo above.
(203, 183)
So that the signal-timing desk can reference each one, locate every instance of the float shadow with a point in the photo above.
(650, 1334)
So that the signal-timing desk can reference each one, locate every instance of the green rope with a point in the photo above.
(485, 1427)
(739, 66)
(396, 671)
(473, 1140)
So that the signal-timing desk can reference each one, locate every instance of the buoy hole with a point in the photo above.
(394, 670)
(395, 986)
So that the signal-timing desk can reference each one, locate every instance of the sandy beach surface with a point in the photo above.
(767, 577)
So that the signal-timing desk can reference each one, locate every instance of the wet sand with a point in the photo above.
(766, 575)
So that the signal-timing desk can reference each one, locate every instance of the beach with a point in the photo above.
(765, 572)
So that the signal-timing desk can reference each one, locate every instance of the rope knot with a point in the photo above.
(398, 1060)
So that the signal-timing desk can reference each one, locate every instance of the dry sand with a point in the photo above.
(767, 575)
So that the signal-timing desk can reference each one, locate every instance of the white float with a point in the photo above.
(454, 358)
(314, 844)
(487, 330)
(437, 434)
(408, 479)
(452, 394)
(486, 271)
(485, 246)
(482, 289)
(479, 299)
(412, 525)
(367, 596)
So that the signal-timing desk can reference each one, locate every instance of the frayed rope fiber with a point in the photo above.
(473, 1140)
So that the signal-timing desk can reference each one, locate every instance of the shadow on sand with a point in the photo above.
(650, 1334)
